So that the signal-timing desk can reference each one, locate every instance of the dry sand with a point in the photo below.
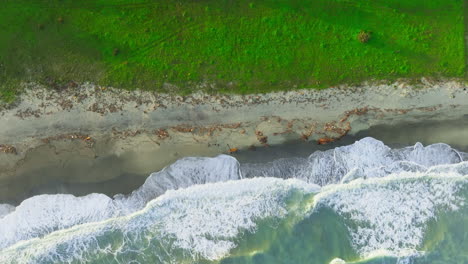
(89, 134)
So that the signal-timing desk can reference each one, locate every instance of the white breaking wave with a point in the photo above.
(6, 209)
(203, 220)
(337, 261)
(43, 214)
(365, 158)
(208, 216)
(391, 213)
(183, 173)
(388, 194)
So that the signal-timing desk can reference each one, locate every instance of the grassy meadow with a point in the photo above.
(241, 46)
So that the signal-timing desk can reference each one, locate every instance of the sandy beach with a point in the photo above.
(97, 134)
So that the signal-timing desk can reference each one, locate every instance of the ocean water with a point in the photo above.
(361, 203)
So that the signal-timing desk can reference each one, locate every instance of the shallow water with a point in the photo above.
(361, 203)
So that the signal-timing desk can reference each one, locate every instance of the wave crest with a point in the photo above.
(202, 221)
(186, 207)
(367, 158)
(391, 213)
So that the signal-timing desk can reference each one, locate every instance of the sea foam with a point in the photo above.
(406, 188)
(365, 158)
(183, 173)
(203, 221)
(6, 209)
(42, 214)
(391, 213)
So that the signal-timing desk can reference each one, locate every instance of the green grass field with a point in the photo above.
(242, 46)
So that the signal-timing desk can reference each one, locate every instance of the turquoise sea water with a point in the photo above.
(362, 203)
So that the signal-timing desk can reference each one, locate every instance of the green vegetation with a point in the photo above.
(241, 46)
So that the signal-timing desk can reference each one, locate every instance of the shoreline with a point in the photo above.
(87, 130)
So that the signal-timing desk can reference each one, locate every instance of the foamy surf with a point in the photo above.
(367, 157)
(6, 209)
(201, 221)
(391, 213)
(205, 208)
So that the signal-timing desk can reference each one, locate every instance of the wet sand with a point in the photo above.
(124, 174)
(109, 141)
(452, 132)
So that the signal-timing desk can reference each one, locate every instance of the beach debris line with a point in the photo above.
(28, 112)
(162, 133)
(356, 111)
(73, 136)
(261, 138)
(206, 129)
(325, 140)
(8, 149)
(331, 127)
(337, 127)
(232, 150)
